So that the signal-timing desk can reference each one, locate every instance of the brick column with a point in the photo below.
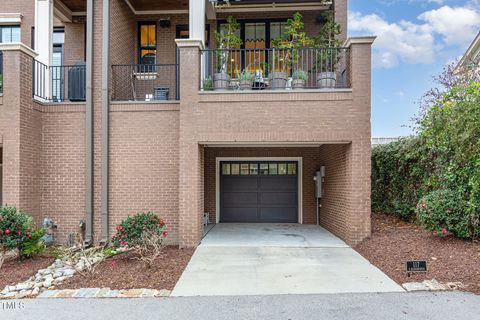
(20, 131)
(191, 191)
(359, 153)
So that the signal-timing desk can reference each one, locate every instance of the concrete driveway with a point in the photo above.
(266, 259)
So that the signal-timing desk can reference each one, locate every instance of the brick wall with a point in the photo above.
(144, 163)
(123, 33)
(74, 43)
(27, 9)
(20, 128)
(63, 166)
(335, 201)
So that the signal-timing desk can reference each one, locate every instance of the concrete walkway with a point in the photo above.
(265, 259)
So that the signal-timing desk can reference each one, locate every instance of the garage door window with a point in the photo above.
(271, 169)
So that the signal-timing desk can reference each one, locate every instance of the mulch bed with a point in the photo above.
(124, 272)
(15, 271)
(393, 242)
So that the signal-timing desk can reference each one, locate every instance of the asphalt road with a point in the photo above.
(385, 306)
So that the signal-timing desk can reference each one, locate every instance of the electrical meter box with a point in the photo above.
(319, 182)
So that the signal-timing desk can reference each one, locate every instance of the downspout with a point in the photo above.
(89, 128)
(105, 117)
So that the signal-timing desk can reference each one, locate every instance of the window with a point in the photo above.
(147, 46)
(9, 34)
(58, 72)
(256, 35)
(277, 30)
(273, 168)
(256, 169)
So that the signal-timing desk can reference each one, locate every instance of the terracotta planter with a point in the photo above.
(278, 80)
(221, 81)
(327, 79)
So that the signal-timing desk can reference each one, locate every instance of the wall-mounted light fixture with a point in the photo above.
(165, 22)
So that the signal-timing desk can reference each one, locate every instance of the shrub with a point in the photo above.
(133, 230)
(149, 249)
(16, 230)
(446, 212)
(35, 244)
(399, 173)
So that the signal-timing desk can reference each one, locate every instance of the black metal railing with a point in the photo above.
(145, 82)
(276, 69)
(1, 72)
(59, 83)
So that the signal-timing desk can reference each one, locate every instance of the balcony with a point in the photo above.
(59, 83)
(145, 82)
(276, 69)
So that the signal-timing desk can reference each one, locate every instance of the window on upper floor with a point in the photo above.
(147, 43)
(256, 35)
(9, 34)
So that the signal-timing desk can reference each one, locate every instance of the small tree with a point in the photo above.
(327, 36)
(226, 41)
(327, 39)
(292, 41)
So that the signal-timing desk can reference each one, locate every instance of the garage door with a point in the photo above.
(259, 191)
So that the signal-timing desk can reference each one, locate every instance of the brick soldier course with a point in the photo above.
(162, 155)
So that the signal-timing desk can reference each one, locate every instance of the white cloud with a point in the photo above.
(456, 25)
(417, 42)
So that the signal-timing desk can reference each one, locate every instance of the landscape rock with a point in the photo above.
(23, 286)
(69, 272)
(48, 282)
(23, 294)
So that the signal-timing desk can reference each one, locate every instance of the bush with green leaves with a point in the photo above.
(133, 230)
(445, 212)
(34, 244)
(445, 155)
(16, 232)
(399, 173)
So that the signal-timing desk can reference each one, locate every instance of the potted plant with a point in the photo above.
(326, 41)
(227, 40)
(246, 80)
(208, 84)
(300, 78)
(288, 47)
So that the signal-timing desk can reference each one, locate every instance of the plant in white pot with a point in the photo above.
(287, 50)
(246, 79)
(328, 53)
(227, 40)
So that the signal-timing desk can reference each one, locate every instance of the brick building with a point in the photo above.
(89, 133)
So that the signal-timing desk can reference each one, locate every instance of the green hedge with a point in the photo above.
(399, 174)
(443, 157)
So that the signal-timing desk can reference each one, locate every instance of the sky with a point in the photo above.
(415, 39)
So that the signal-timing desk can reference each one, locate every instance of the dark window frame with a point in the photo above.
(139, 40)
(242, 23)
(16, 26)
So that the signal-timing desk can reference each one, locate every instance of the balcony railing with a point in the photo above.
(276, 69)
(59, 83)
(145, 82)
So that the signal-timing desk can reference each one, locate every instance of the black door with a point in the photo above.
(259, 191)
